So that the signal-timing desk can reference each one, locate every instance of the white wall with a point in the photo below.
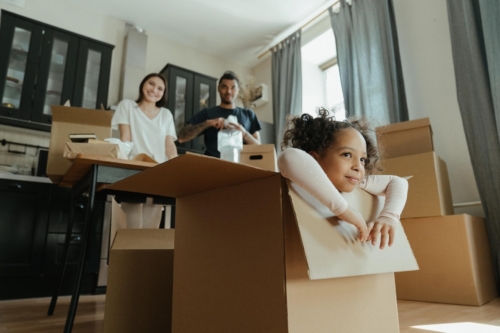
(426, 55)
(263, 74)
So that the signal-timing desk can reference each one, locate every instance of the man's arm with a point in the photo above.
(189, 132)
(252, 139)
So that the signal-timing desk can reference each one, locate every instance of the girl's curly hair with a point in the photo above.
(318, 134)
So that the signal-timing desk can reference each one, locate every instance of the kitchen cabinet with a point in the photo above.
(42, 65)
(33, 222)
(188, 93)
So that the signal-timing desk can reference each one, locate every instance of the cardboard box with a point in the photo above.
(241, 263)
(455, 261)
(72, 149)
(67, 120)
(260, 156)
(405, 138)
(140, 278)
(429, 192)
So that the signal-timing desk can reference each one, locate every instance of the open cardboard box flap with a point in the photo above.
(67, 120)
(330, 246)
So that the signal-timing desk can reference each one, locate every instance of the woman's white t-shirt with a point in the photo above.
(148, 135)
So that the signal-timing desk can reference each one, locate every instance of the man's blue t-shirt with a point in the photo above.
(246, 117)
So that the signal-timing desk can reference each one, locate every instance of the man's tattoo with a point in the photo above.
(189, 132)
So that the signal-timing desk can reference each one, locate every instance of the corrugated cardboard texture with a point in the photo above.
(331, 245)
(230, 254)
(72, 149)
(140, 282)
(67, 120)
(429, 192)
(229, 261)
(405, 138)
(260, 156)
(454, 258)
(189, 174)
(334, 305)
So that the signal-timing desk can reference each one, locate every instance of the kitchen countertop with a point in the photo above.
(24, 178)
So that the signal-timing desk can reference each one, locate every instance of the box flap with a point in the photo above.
(405, 125)
(74, 115)
(67, 120)
(189, 174)
(143, 239)
(331, 246)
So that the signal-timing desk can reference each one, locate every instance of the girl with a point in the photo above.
(146, 122)
(150, 127)
(326, 157)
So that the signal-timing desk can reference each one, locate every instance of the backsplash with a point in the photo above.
(19, 159)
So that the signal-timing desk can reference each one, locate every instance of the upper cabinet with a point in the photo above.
(41, 65)
(188, 93)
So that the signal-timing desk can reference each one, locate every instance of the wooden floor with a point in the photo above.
(29, 316)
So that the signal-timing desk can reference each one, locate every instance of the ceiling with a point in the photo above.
(236, 30)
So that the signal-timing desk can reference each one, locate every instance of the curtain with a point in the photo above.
(369, 62)
(474, 30)
(286, 82)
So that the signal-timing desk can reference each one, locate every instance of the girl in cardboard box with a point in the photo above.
(150, 126)
(326, 157)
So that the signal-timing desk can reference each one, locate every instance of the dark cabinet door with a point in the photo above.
(188, 93)
(23, 226)
(56, 74)
(42, 65)
(19, 50)
(92, 75)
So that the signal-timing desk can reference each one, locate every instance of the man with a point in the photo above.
(210, 120)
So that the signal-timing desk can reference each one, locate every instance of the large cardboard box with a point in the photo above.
(67, 120)
(255, 255)
(455, 261)
(260, 156)
(405, 138)
(429, 192)
(140, 278)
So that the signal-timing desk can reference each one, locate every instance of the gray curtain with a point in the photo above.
(287, 83)
(474, 30)
(369, 62)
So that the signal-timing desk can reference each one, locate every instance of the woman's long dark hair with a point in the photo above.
(163, 99)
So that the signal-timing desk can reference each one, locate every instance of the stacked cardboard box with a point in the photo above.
(452, 250)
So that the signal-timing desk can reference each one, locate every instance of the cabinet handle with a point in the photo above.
(15, 186)
(80, 206)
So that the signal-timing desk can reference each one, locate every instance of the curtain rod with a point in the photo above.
(303, 26)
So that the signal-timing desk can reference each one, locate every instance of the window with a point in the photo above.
(333, 91)
(320, 76)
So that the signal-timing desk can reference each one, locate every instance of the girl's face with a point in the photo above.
(344, 162)
(153, 89)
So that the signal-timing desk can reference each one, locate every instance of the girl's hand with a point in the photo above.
(355, 218)
(383, 226)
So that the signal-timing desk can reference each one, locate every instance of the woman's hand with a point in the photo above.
(355, 218)
(385, 228)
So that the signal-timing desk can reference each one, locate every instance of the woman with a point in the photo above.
(150, 127)
(146, 122)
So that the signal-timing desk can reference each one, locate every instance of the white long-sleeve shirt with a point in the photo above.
(302, 169)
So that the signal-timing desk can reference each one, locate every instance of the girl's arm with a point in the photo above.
(395, 190)
(302, 169)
